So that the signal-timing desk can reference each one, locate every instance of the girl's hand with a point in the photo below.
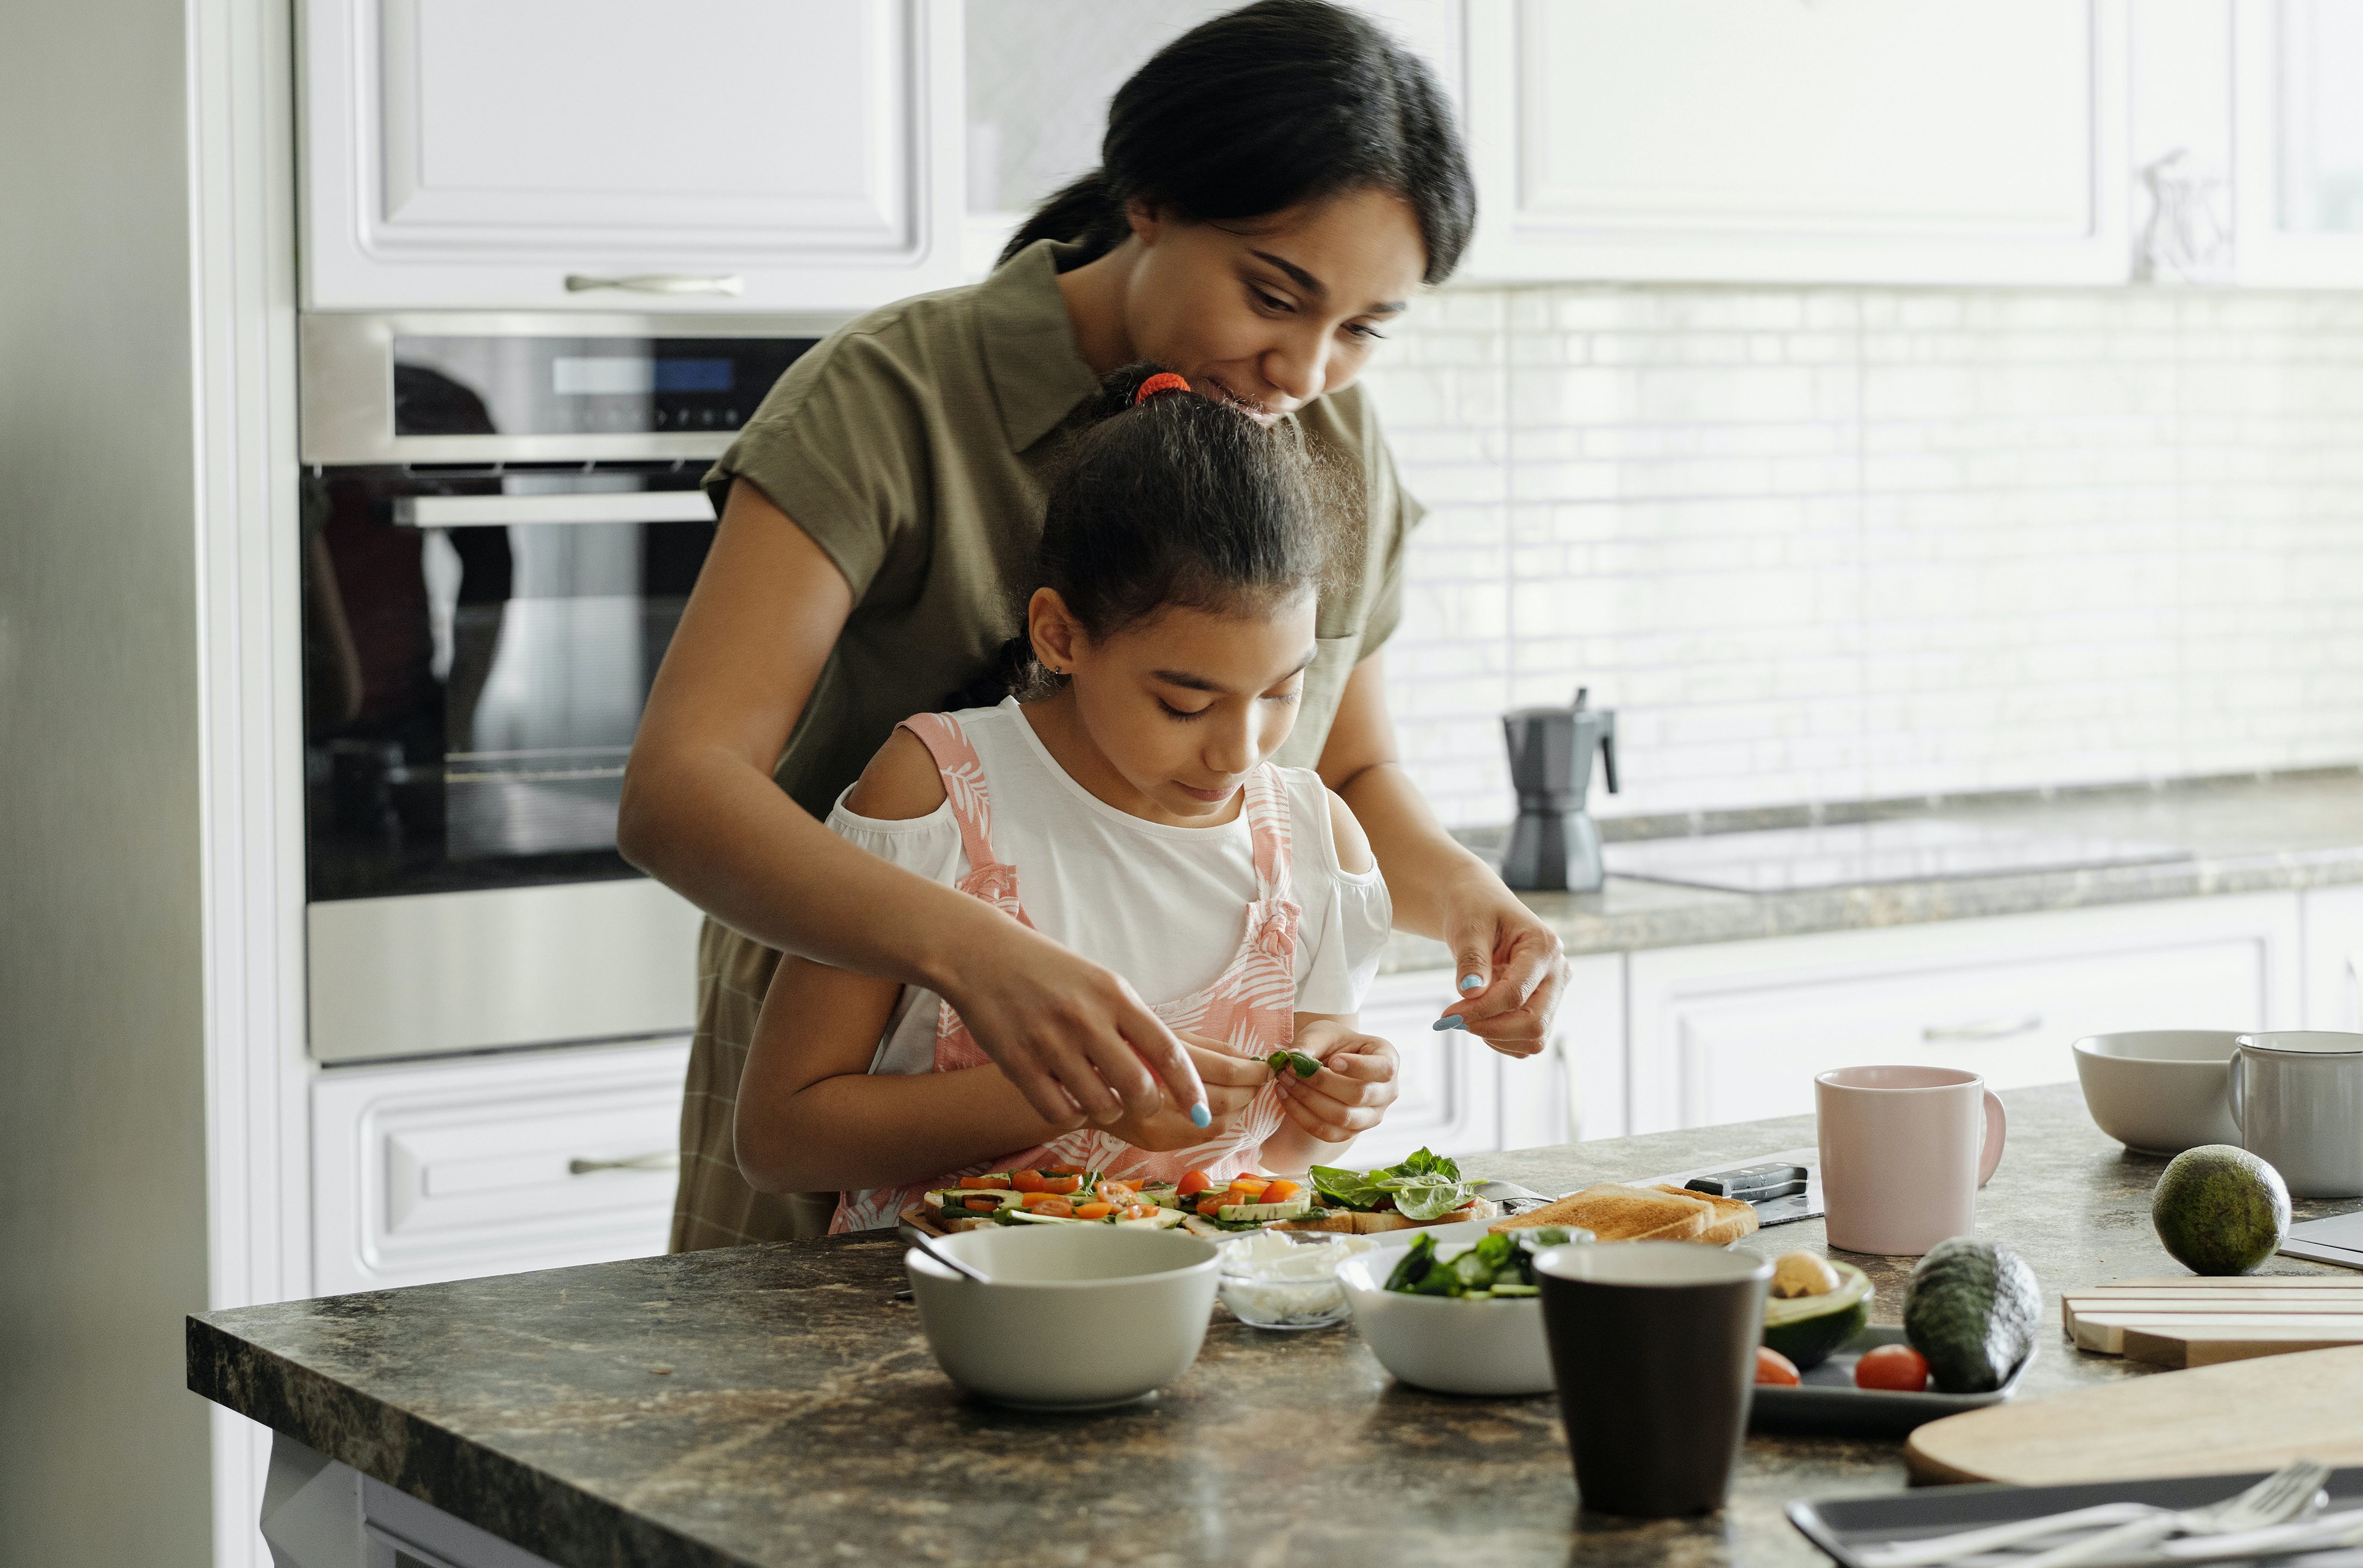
(1077, 1041)
(1231, 1083)
(1510, 966)
(1353, 1088)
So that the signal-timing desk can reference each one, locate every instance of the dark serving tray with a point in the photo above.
(1844, 1526)
(1828, 1403)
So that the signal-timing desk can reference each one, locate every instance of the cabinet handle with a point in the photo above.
(656, 1160)
(1989, 1029)
(658, 283)
(2354, 992)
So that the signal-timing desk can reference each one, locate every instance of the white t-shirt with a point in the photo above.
(1164, 907)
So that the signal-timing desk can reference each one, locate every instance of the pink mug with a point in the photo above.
(1903, 1152)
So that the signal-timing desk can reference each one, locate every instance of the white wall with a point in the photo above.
(1821, 545)
(103, 1230)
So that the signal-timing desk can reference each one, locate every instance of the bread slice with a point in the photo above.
(1734, 1217)
(1615, 1213)
(1365, 1223)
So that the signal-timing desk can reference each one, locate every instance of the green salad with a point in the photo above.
(1499, 1267)
(1425, 1187)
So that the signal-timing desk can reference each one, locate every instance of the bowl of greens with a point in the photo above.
(1457, 1317)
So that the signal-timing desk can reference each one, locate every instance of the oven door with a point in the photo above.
(480, 646)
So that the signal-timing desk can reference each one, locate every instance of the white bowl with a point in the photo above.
(1453, 1347)
(1076, 1318)
(2160, 1091)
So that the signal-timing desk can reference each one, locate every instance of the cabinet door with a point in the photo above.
(2333, 958)
(1848, 140)
(2298, 142)
(1451, 1099)
(456, 1169)
(763, 154)
(1736, 1032)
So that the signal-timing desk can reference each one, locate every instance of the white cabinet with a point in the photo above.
(1736, 1032)
(2298, 142)
(537, 154)
(492, 1165)
(1962, 142)
(2333, 958)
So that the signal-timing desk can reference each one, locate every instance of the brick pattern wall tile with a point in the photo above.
(1821, 544)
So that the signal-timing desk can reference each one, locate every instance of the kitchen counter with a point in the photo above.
(2245, 834)
(772, 1405)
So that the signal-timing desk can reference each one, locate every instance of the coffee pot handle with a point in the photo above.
(1997, 1128)
(2233, 1092)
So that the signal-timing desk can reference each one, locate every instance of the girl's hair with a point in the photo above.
(1278, 103)
(1177, 502)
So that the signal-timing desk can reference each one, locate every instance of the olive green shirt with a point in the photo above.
(915, 446)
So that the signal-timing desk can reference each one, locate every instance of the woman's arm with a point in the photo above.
(701, 813)
(1510, 965)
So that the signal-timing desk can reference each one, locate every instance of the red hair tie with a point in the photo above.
(1162, 382)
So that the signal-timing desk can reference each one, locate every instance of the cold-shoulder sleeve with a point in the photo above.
(929, 846)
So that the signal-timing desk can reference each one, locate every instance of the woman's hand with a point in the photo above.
(1353, 1088)
(1231, 1083)
(1511, 968)
(1076, 1039)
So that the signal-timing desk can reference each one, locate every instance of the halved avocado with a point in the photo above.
(1807, 1329)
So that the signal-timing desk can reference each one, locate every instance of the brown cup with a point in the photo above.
(1653, 1345)
(1903, 1152)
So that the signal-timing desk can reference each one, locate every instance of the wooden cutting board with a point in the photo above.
(2194, 1321)
(2249, 1415)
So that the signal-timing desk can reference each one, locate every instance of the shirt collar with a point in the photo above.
(1037, 373)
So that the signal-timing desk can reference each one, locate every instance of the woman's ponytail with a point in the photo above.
(1012, 673)
(1087, 211)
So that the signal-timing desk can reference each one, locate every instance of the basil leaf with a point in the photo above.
(1346, 1189)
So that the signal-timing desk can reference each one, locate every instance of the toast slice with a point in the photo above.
(1365, 1223)
(1734, 1217)
(1615, 1213)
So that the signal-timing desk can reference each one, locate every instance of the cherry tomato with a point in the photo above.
(997, 1182)
(1141, 1211)
(1281, 1191)
(1062, 1170)
(1094, 1210)
(1056, 1208)
(1119, 1191)
(1251, 1185)
(1211, 1202)
(1062, 1184)
(1771, 1366)
(1893, 1366)
(1037, 1199)
(1026, 1181)
(1193, 1181)
(984, 1205)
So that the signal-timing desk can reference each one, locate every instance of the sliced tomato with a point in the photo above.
(1213, 1201)
(1771, 1366)
(1249, 1184)
(1094, 1210)
(1893, 1366)
(1119, 1191)
(984, 1205)
(1026, 1181)
(1062, 1170)
(1056, 1208)
(1141, 1211)
(1062, 1184)
(1281, 1192)
(997, 1182)
(1193, 1181)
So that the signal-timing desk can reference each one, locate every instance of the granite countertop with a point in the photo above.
(773, 1405)
(2245, 834)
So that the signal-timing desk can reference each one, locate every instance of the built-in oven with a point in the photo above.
(502, 525)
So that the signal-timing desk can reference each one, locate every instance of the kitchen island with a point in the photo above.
(774, 1406)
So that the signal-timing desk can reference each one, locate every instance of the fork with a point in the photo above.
(2295, 1488)
(2277, 1497)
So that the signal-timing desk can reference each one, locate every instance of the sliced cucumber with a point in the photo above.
(957, 1198)
(1294, 1209)
(1501, 1289)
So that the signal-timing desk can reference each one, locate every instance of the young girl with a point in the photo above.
(1130, 814)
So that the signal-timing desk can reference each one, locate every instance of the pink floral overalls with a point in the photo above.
(1250, 1007)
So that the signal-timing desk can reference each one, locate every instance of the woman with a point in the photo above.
(1276, 185)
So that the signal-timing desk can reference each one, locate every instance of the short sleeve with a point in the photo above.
(929, 846)
(840, 444)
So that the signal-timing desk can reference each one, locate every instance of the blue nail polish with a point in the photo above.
(1201, 1117)
(1451, 1021)
(1472, 982)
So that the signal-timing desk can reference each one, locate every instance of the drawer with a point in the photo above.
(492, 1165)
(1737, 1033)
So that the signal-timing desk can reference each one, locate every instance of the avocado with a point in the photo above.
(2220, 1209)
(1807, 1329)
(1970, 1307)
(1294, 1209)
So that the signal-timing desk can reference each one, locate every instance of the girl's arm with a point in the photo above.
(1440, 889)
(701, 813)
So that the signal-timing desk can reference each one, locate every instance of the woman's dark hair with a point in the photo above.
(1277, 102)
(1179, 502)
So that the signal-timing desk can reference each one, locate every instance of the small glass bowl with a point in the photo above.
(1307, 1296)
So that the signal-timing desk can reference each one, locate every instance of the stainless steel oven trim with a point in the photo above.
(345, 379)
(592, 506)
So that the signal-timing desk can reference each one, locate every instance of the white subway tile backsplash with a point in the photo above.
(1818, 544)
